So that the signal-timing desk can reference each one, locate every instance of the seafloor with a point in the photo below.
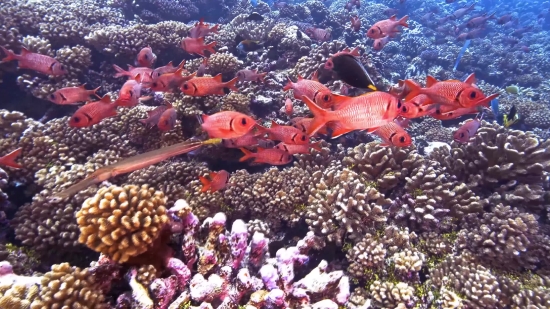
(357, 225)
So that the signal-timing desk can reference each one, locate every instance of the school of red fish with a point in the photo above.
(382, 113)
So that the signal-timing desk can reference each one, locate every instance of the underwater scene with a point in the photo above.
(241, 154)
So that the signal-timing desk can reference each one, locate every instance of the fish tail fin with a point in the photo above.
(247, 154)
(181, 65)
(288, 85)
(319, 116)
(355, 52)
(316, 146)
(210, 47)
(94, 92)
(261, 77)
(120, 71)
(205, 183)
(9, 159)
(403, 21)
(10, 55)
(415, 90)
(231, 84)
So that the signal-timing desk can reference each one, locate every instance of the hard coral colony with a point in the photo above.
(305, 154)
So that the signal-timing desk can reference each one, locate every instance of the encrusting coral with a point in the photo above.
(122, 222)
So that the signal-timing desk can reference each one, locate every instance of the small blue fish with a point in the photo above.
(462, 51)
(494, 108)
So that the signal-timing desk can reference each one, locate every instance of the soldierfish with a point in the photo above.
(131, 164)
(36, 62)
(93, 112)
(167, 119)
(227, 124)
(247, 140)
(297, 149)
(268, 156)
(144, 73)
(318, 34)
(289, 108)
(451, 92)
(153, 116)
(251, 76)
(418, 106)
(455, 113)
(355, 23)
(329, 64)
(203, 86)
(286, 134)
(145, 57)
(130, 92)
(303, 124)
(169, 68)
(313, 89)
(387, 27)
(197, 46)
(201, 30)
(170, 81)
(366, 112)
(217, 181)
(467, 130)
(393, 135)
(9, 159)
(462, 11)
(72, 95)
(380, 43)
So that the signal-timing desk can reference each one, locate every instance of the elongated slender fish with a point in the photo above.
(134, 163)
(462, 51)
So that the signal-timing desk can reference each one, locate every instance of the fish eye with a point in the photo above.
(146, 57)
(461, 135)
(52, 96)
(154, 84)
(243, 121)
(303, 138)
(402, 139)
(437, 111)
(371, 30)
(76, 119)
(473, 95)
(326, 98)
(398, 104)
(185, 86)
(404, 109)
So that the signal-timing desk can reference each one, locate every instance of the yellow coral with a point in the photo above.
(68, 287)
(121, 222)
(17, 296)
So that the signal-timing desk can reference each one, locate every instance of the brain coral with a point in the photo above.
(121, 222)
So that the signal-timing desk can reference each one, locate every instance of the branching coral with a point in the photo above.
(122, 222)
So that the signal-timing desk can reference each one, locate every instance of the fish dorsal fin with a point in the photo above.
(200, 40)
(170, 64)
(300, 77)
(274, 124)
(338, 101)
(169, 105)
(212, 175)
(24, 51)
(178, 71)
(430, 81)
(314, 76)
(106, 99)
(218, 77)
(130, 67)
(138, 78)
(201, 21)
(400, 83)
(393, 17)
(471, 79)
(83, 86)
(355, 51)
(259, 149)
(204, 118)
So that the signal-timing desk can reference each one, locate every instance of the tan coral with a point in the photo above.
(392, 295)
(223, 63)
(146, 274)
(68, 287)
(235, 101)
(121, 222)
(16, 296)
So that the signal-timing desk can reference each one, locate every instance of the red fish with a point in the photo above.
(227, 124)
(366, 112)
(393, 135)
(203, 86)
(169, 68)
(251, 76)
(170, 81)
(9, 159)
(387, 27)
(318, 34)
(153, 116)
(451, 92)
(312, 89)
(476, 33)
(303, 124)
(217, 181)
(355, 23)
(380, 43)
(462, 11)
(197, 46)
(286, 134)
(93, 112)
(145, 57)
(144, 73)
(329, 65)
(167, 119)
(247, 140)
(36, 62)
(268, 156)
(202, 67)
(129, 94)
(467, 130)
(289, 108)
(297, 149)
(201, 30)
(479, 21)
(72, 95)
(418, 106)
